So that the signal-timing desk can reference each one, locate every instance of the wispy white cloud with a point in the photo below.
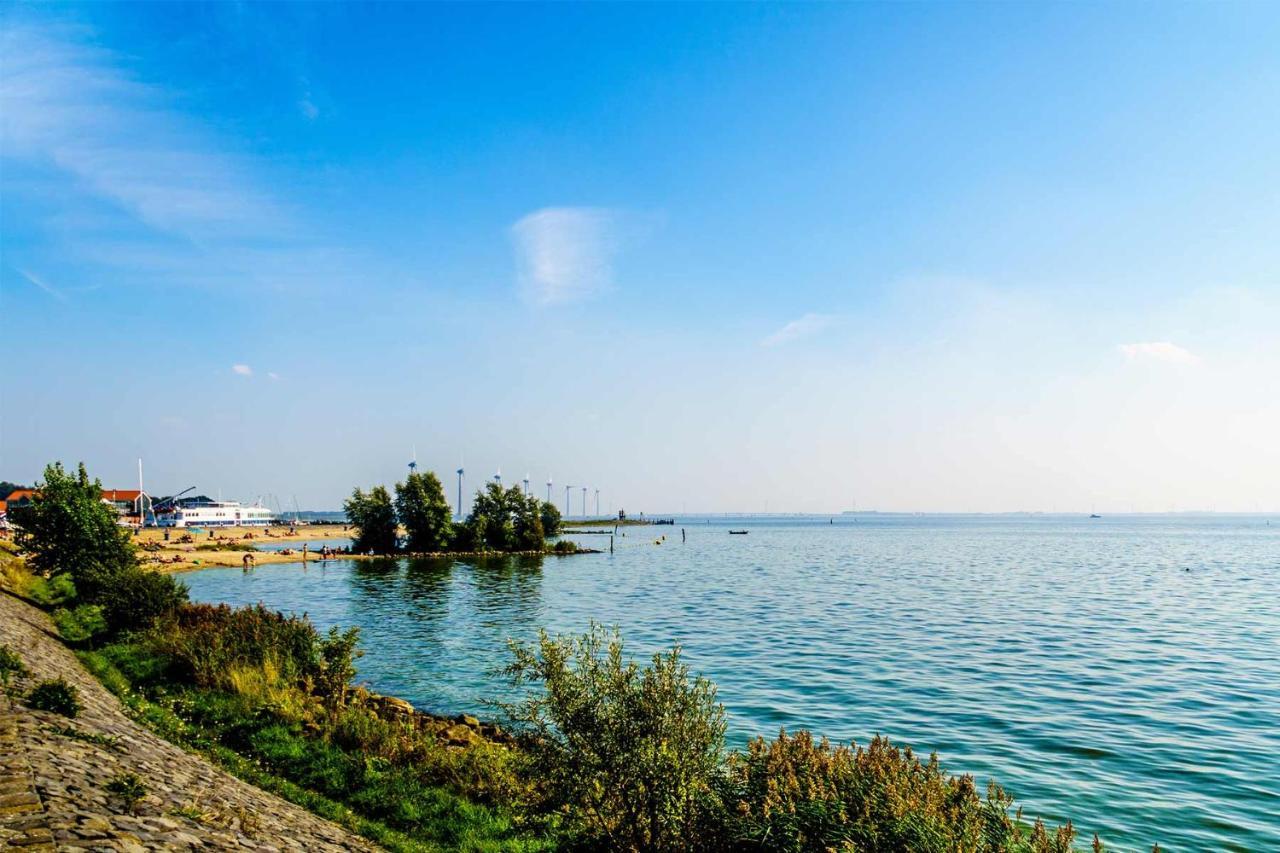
(71, 103)
(565, 253)
(804, 327)
(308, 108)
(195, 202)
(273, 376)
(47, 288)
(242, 369)
(1158, 351)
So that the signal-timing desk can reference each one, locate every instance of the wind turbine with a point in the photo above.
(597, 503)
(548, 488)
(526, 485)
(584, 501)
(567, 487)
(460, 473)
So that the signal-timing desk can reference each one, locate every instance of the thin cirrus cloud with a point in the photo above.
(69, 101)
(1164, 351)
(70, 104)
(804, 327)
(242, 369)
(43, 285)
(565, 254)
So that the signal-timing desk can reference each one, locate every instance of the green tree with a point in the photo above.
(526, 523)
(374, 517)
(425, 512)
(490, 520)
(67, 529)
(628, 757)
(550, 519)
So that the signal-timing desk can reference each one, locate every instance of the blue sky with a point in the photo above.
(705, 258)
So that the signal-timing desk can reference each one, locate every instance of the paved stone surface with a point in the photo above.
(53, 784)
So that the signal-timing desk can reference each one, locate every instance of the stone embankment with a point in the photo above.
(55, 772)
(457, 732)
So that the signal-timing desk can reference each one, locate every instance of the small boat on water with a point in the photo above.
(738, 532)
(1094, 515)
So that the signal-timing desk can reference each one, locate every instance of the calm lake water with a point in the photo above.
(1123, 672)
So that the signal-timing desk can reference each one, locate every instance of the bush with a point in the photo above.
(51, 592)
(795, 794)
(81, 624)
(129, 788)
(138, 598)
(258, 653)
(627, 755)
(56, 696)
(11, 666)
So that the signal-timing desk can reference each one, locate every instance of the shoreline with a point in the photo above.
(174, 557)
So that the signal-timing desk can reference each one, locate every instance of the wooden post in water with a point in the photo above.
(610, 543)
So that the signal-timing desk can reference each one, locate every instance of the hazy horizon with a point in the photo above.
(917, 258)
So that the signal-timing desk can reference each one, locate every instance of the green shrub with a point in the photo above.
(795, 794)
(138, 598)
(56, 696)
(252, 650)
(11, 665)
(206, 642)
(129, 788)
(51, 592)
(80, 624)
(628, 756)
(565, 546)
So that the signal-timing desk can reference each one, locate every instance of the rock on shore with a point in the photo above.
(53, 786)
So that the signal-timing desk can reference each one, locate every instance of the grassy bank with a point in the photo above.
(384, 779)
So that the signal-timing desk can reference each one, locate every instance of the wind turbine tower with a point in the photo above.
(413, 463)
(460, 472)
(567, 487)
(584, 501)
(548, 490)
(526, 485)
(497, 477)
(597, 503)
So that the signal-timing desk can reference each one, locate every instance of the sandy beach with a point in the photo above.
(176, 555)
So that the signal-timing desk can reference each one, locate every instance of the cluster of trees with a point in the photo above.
(500, 519)
(85, 563)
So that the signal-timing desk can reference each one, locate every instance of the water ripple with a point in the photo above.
(1124, 673)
